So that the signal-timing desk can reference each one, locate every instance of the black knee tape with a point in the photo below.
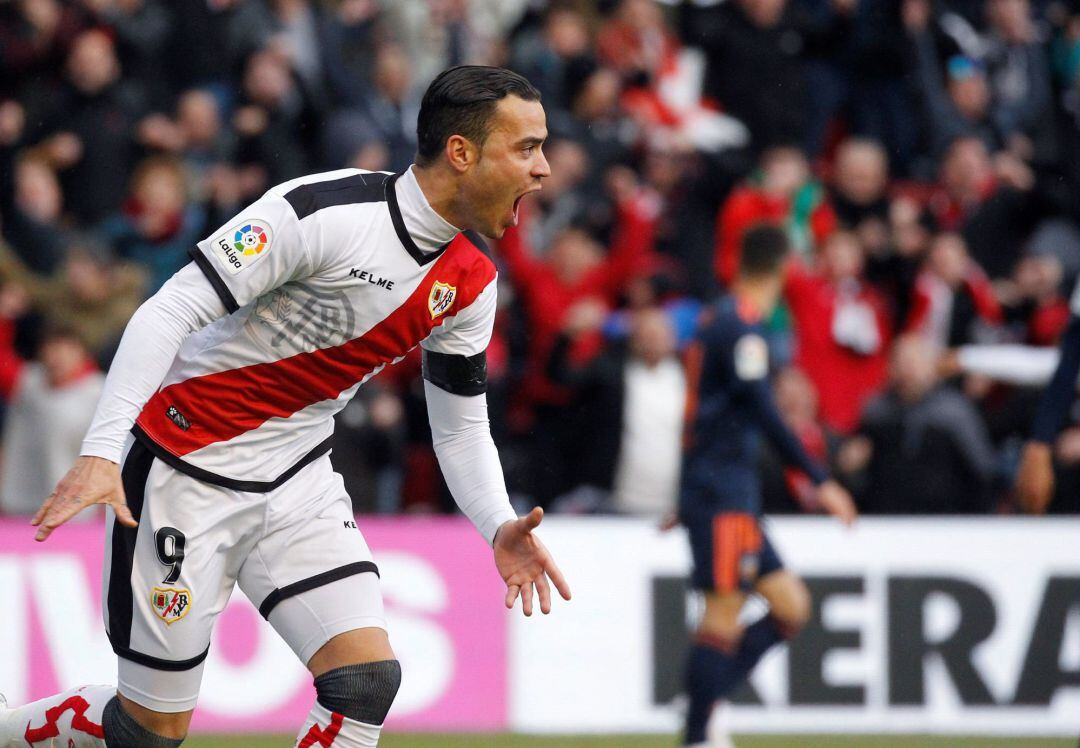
(360, 692)
(122, 731)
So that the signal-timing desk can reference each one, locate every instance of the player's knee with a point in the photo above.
(794, 611)
(122, 730)
(362, 692)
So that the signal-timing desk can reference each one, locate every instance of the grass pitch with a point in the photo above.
(652, 741)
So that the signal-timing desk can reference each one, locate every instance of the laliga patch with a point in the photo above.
(751, 358)
(242, 245)
(441, 298)
(170, 604)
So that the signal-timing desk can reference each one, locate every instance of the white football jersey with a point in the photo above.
(325, 286)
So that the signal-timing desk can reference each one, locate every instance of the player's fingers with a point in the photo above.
(532, 519)
(123, 513)
(557, 578)
(40, 514)
(527, 598)
(62, 509)
(511, 595)
(52, 519)
(543, 590)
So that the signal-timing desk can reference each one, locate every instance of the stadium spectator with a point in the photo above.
(595, 118)
(753, 68)
(858, 191)
(923, 445)
(141, 29)
(626, 414)
(842, 329)
(31, 200)
(209, 42)
(1033, 303)
(88, 123)
(90, 293)
(35, 38)
(783, 489)
(544, 55)
(953, 302)
(996, 203)
(957, 100)
(438, 34)
(782, 191)
(157, 225)
(392, 105)
(50, 403)
(276, 122)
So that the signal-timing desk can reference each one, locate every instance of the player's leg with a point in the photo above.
(314, 580)
(789, 603)
(789, 608)
(718, 547)
(712, 669)
(166, 582)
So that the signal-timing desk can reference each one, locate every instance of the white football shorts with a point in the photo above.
(294, 549)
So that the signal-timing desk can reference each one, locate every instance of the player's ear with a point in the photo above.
(461, 152)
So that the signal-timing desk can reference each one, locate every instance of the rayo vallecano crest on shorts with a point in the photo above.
(441, 298)
(169, 603)
(242, 245)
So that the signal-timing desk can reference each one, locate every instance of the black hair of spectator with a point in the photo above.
(765, 246)
(461, 101)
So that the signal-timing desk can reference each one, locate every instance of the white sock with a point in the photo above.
(71, 719)
(324, 728)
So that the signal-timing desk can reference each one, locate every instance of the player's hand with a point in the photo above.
(836, 500)
(92, 480)
(1035, 478)
(669, 522)
(525, 564)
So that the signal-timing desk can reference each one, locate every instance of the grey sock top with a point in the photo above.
(122, 731)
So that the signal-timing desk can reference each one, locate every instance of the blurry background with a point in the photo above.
(924, 157)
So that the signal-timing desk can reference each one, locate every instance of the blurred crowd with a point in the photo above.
(924, 157)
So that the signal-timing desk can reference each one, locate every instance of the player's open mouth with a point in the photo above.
(517, 207)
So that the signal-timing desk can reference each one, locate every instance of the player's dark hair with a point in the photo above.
(461, 101)
(764, 249)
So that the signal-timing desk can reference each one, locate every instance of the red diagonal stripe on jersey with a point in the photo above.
(78, 705)
(223, 405)
(319, 736)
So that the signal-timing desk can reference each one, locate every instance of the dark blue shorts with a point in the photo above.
(731, 552)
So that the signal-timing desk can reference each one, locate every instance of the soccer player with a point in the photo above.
(210, 442)
(1035, 477)
(720, 501)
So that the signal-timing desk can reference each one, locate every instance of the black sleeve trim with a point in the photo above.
(305, 585)
(156, 662)
(458, 375)
(207, 269)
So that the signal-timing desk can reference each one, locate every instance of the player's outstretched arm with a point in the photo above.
(92, 480)
(526, 565)
(1035, 477)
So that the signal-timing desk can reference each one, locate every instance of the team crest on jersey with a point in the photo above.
(170, 604)
(242, 245)
(441, 298)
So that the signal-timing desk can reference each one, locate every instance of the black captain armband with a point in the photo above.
(458, 375)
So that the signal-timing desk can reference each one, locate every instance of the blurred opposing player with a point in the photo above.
(220, 404)
(1035, 478)
(720, 500)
